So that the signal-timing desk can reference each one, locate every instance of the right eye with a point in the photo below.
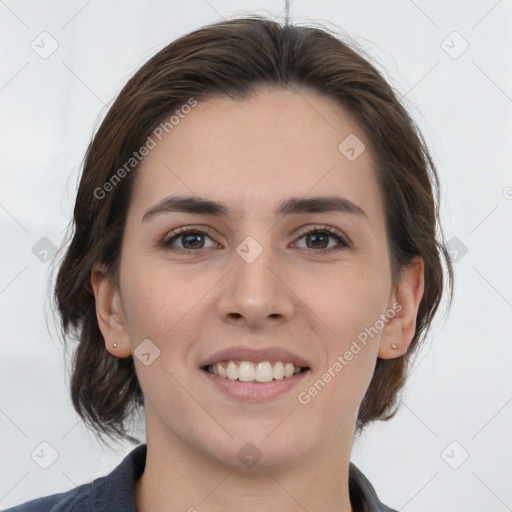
(190, 239)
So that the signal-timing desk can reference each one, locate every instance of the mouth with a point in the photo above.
(254, 375)
(254, 372)
(254, 382)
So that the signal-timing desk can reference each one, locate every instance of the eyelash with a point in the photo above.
(343, 242)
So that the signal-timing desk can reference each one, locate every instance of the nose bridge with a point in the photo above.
(253, 290)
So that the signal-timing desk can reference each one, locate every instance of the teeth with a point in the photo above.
(264, 372)
(278, 370)
(232, 371)
(289, 369)
(246, 371)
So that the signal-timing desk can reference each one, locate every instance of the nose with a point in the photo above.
(256, 293)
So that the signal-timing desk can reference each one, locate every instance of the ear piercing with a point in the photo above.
(394, 346)
(115, 345)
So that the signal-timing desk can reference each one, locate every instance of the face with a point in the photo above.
(274, 266)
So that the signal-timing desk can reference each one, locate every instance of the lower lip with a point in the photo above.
(255, 391)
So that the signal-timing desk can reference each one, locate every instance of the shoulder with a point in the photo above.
(363, 496)
(111, 492)
(75, 499)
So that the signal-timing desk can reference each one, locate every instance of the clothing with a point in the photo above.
(115, 492)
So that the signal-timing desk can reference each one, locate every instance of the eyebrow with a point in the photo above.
(295, 205)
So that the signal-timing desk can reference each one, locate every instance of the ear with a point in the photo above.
(109, 312)
(404, 302)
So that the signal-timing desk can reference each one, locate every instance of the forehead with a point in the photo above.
(273, 145)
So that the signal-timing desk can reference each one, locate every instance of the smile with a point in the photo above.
(247, 371)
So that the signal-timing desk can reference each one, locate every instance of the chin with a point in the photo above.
(255, 452)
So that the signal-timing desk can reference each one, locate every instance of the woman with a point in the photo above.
(256, 257)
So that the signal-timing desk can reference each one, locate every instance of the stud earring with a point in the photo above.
(115, 345)
(394, 346)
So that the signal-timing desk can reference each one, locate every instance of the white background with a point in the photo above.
(461, 387)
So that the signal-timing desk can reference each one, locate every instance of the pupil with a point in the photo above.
(195, 240)
(318, 237)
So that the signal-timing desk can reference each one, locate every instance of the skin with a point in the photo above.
(252, 155)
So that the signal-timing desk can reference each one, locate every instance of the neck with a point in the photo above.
(179, 477)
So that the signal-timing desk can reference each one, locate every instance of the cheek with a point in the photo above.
(349, 310)
(346, 301)
(158, 300)
(349, 343)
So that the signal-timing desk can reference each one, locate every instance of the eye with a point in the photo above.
(319, 238)
(189, 239)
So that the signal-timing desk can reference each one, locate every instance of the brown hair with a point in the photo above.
(232, 59)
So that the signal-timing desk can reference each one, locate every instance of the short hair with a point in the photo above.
(234, 59)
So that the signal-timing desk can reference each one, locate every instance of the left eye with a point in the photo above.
(320, 239)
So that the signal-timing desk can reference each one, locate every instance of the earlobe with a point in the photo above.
(109, 312)
(401, 327)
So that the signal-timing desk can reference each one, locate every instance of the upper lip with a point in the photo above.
(254, 355)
